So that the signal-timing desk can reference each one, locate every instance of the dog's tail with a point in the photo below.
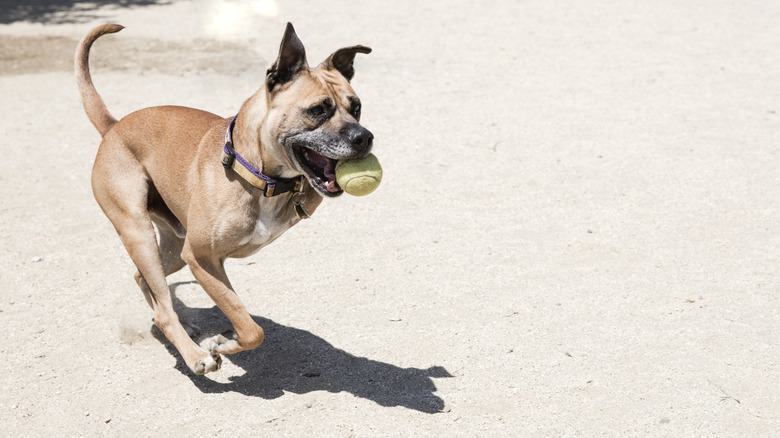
(93, 104)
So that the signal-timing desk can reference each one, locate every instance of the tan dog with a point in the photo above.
(217, 188)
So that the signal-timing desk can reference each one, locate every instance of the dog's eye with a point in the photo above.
(317, 110)
(356, 110)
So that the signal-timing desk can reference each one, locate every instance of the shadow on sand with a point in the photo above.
(294, 360)
(61, 11)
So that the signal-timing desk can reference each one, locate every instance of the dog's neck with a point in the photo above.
(252, 143)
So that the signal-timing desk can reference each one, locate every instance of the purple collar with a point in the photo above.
(270, 186)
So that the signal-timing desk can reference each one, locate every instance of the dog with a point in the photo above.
(217, 188)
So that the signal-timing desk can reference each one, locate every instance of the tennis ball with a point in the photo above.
(360, 176)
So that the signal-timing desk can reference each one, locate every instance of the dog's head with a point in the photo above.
(313, 114)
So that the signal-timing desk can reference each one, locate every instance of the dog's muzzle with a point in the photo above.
(318, 158)
(360, 138)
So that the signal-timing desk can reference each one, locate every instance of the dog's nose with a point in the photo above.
(360, 138)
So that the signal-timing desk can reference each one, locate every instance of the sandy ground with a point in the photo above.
(578, 233)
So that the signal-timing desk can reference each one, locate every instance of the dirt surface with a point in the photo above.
(578, 233)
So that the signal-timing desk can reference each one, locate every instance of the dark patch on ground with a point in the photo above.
(61, 11)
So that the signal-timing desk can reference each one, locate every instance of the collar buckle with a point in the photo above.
(269, 190)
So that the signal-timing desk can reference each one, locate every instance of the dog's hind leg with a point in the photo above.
(170, 243)
(170, 246)
(122, 193)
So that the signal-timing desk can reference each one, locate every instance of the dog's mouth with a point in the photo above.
(320, 170)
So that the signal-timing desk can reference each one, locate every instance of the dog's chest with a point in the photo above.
(264, 228)
(265, 231)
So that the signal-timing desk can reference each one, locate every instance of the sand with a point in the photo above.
(577, 234)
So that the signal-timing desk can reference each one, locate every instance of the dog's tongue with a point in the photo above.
(328, 168)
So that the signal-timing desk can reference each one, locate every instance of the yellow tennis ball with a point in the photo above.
(360, 176)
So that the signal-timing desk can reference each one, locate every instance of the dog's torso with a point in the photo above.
(190, 188)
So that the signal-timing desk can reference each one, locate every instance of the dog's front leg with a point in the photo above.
(210, 273)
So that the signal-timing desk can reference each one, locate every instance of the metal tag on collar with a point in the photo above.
(301, 211)
(298, 198)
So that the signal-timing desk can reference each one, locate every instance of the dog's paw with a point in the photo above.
(215, 343)
(225, 343)
(208, 364)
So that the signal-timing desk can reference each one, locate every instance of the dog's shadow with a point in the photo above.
(294, 360)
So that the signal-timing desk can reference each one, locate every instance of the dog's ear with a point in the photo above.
(342, 60)
(291, 60)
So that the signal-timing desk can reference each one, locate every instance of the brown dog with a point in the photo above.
(218, 188)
